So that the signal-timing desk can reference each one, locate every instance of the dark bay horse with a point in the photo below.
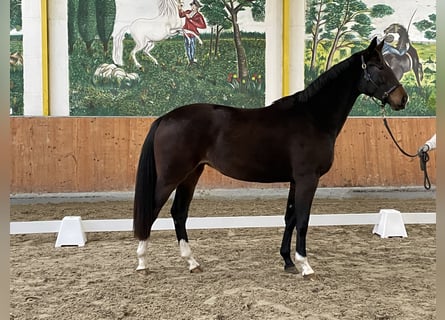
(292, 140)
(409, 60)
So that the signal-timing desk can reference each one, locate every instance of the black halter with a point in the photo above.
(367, 76)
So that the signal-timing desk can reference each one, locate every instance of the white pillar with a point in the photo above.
(296, 63)
(32, 58)
(274, 50)
(58, 56)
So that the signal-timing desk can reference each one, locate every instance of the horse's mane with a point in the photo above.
(287, 100)
(167, 8)
(325, 78)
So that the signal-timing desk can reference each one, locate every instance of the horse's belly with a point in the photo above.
(270, 161)
(253, 169)
(261, 176)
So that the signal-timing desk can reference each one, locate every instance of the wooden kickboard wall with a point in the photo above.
(91, 154)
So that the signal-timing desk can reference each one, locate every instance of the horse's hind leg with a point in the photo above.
(150, 45)
(162, 194)
(138, 47)
(179, 211)
(418, 71)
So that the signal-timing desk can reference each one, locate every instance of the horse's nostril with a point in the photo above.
(405, 100)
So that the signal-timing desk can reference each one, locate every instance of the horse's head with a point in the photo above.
(378, 79)
(402, 34)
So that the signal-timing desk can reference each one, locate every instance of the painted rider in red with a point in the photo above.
(193, 21)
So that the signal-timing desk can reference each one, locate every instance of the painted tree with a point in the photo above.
(15, 14)
(230, 10)
(216, 18)
(315, 21)
(427, 26)
(72, 24)
(348, 21)
(233, 8)
(86, 21)
(89, 19)
(105, 16)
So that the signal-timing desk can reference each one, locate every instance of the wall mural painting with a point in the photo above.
(146, 57)
(15, 58)
(337, 28)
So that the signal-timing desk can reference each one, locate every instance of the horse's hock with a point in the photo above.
(92, 154)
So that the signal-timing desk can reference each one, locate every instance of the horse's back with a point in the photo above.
(211, 119)
(198, 125)
(154, 29)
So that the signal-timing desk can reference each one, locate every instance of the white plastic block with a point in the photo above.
(390, 224)
(71, 232)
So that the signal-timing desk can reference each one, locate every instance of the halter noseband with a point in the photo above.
(368, 77)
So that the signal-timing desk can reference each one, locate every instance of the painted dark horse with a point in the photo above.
(406, 58)
(292, 140)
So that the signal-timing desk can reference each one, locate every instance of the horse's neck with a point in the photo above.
(335, 110)
(168, 14)
(333, 102)
(168, 8)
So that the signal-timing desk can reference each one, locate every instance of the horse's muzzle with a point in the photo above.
(398, 98)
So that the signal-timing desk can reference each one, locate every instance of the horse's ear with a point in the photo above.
(372, 45)
(379, 47)
(373, 48)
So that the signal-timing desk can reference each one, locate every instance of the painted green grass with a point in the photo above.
(170, 84)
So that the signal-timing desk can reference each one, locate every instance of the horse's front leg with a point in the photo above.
(304, 196)
(290, 223)
(174, 31)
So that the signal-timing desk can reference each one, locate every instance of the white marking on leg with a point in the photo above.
(142, 255)
(186, 253)
(307, 270)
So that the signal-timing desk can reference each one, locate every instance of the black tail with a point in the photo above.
(144, 195)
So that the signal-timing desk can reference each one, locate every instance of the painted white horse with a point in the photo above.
(146, 32)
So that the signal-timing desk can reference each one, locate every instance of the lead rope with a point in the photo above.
(423, 156)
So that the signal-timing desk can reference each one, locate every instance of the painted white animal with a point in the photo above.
(111, 75)
(146, 32)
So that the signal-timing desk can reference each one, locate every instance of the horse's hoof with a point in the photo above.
(142, 272)
(310, 277)
(197, 269)
(291, 269)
